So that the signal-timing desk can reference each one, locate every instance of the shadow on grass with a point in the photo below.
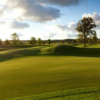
(76, 51)
(50, 50)
(18, 53)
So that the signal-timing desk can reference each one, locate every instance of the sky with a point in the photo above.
(46, 19)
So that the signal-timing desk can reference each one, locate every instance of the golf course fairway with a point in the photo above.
(26, 76)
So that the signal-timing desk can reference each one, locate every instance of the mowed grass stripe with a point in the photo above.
(36, 75)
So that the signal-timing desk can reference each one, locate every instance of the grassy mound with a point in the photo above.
(63, 50)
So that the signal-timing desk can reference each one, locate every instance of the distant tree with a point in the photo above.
(74, 41)
(85, 27)
(15, 38)
(32, 41)
(49, 41)
(1, 42)
(98, 40)
(43, 42)
(20, 43)
(62, 41)
(94, 38)
(7, 42)
(69, 42)
(39, 41)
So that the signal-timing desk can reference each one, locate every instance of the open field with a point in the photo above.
(37, 70)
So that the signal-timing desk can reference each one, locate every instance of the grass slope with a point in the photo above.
(48, 50)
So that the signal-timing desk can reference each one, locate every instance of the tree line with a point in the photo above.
(15, 41)
(86, 34)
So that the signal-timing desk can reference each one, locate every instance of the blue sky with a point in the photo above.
(54, 19)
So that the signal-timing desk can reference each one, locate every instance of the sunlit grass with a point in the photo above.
(37, 70)
(35, 75)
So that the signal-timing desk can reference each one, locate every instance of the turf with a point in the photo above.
(37, 70)
(36, 75)
(91, 93)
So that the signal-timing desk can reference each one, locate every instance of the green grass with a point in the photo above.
(48, 50)
(36, 70)
(36, 75)
(91, 93)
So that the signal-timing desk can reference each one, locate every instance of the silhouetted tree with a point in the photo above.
(39, 41)
(43, 42)
(15, 38)
(32, 41)
(74, 41)
(1, 42)
(85, 27)
(49, 41)
(62, 41)
(7, 42)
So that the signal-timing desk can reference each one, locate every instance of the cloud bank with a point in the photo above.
(61, 2)
(30, 10)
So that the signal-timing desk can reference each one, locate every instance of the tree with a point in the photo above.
(39, 41)
(43, 42)
(49, 41)
(1, 42)
(62, 41)
(33, 41)
(80, 38)
(85, 27)
(94, 38)
(15, 38)
(7, 42)
(74, 41)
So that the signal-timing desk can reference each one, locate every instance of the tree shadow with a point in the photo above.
(49, 50)
(19, 53)
(65, 50)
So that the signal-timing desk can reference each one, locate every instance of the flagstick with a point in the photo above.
(57, 51)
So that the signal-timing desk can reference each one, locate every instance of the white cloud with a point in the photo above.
(49, 35)
(19, 34)
(2, 22)
(63, 27)
(70, 27)
(62, 31)
(2, 12)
